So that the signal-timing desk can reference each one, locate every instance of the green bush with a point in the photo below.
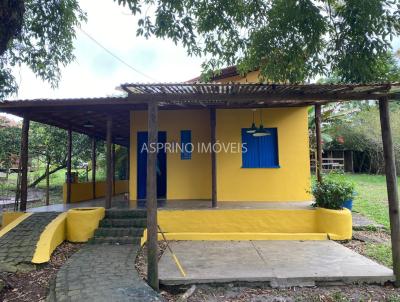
(332, 192)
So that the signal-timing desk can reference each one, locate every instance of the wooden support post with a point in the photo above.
(94, 147)
(152, 246)
(391, 183)
(109, 185)
(113, 167)
(213, 159)
(318, 140)
(69, 165)
(24, 163)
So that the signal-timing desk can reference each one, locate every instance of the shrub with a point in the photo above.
(332, 192)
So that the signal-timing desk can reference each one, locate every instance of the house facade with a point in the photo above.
(271, 168)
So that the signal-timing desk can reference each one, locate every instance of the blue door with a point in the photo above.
(142, 139)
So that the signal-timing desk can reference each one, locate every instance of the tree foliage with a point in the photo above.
(289, 40)
(363, 134)
(49, 145)
(39, 34)
(10, 137)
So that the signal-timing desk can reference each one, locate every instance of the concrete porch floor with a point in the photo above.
(281, 263)
(120, 202)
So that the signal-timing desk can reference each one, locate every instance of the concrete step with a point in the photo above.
(121, 213)
(118, 232)
(115, 240)
(123, 223)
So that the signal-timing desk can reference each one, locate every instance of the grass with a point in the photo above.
(57, 180)
(381, 252)
(371, 199)
(372, 202)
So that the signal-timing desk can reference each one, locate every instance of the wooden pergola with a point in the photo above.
(110, 118)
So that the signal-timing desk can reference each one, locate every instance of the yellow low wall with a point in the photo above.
(318, 224)
(8, 217)
(76, 225)
(82, 191)
(12, 219)
(52, 236)
(337, 224)
(82, 222)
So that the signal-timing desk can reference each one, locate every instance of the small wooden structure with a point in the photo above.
(110, 117)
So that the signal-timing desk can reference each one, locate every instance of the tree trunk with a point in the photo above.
(43, 176)
(48, 182)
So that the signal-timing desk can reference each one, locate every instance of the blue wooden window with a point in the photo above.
(262, 151)
(186, 140)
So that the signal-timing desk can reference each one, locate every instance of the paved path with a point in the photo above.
(19, 244)
(362, 222)
(102, 273)
(282, 263)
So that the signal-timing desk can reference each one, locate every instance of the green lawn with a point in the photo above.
(371, 199)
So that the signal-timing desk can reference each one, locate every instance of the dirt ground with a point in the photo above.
(33, 286)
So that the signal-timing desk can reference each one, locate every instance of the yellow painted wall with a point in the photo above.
(251, 77)
(186, 179)
(82, 222)
(52, 236)
(191, 179)
(290, 182)
(8, 217)
(83, 191)
(255, 224)
(13, 220)
(238, 221)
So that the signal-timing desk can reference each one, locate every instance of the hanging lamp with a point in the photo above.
(88, 124)
(261, 131)
(253, 127)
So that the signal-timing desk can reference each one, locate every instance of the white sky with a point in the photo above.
(97, 73)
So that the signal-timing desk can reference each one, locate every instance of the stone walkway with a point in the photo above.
(102, 273)
(19, 244)
(362, 222)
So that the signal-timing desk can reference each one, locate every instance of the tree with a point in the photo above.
(10, 137)
(49, 145)
(288, 40)
(39, 34)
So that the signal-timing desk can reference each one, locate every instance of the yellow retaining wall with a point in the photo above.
(12, 219)
(83, 191)
(298, 224)
(82, 222)
(9, 217)
(191, 179)
(52, 236)
(337, 224)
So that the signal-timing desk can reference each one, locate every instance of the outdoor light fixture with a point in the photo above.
(253, 128)
(88, 124)
(261, 131)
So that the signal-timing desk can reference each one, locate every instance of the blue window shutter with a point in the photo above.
(186, 138)
(268, 149)
(262, 152)
(250, 158)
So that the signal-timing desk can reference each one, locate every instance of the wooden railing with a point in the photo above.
(329, 164)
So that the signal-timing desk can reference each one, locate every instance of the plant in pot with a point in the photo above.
(334, 193)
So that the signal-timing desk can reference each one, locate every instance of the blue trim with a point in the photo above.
(142, 138)
(262, 152)
(186, 138)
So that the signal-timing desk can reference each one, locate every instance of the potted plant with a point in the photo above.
(334, 193)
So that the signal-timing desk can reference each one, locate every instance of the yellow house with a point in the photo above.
(271, 168)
